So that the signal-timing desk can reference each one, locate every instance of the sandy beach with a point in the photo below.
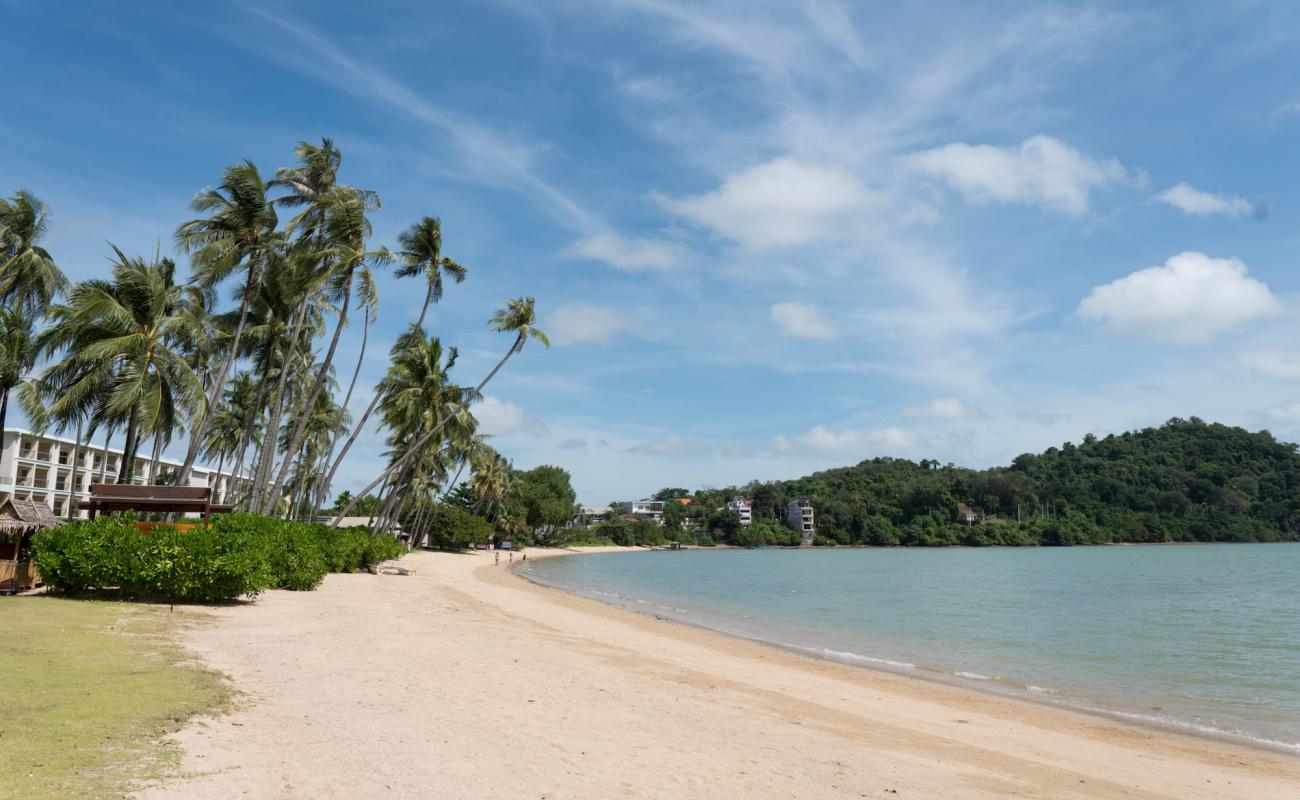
(465, 681)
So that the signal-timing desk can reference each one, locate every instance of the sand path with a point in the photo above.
(467, 682)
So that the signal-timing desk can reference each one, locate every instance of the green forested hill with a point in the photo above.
(1186, 480)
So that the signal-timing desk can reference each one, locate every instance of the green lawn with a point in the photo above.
(88, 688)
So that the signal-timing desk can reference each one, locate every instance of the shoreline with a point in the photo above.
(920, 672)
(465, 680)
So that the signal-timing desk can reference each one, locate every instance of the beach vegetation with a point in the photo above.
(90, 692)
(149, 353)
(1184, 481)
(238, 556)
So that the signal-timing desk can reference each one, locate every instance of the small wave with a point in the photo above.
(1039, 689)
(843, 655)
(975, 676)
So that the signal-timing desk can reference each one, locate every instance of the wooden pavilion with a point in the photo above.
(19, 519)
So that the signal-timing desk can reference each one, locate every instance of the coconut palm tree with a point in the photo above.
(18, 352)
(520, 317)
(368, 299)
(242, 408)
(421, 254)
(28, 275)
(238, 233)
(121, 357)
(346, 230)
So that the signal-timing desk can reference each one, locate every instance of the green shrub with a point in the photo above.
(291, 551)
(111, 554)
(239, 555)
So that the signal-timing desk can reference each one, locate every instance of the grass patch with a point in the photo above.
(88, 689)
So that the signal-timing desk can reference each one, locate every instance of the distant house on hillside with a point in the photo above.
(744, 508)
(967, 514)
(650, 509)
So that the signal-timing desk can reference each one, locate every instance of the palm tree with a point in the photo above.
(421, 254)
(347, 230)
(238, 233)
(368, 295)
(242, 407)
(28, 275)
(121, 353)
(418, 395)
(18, 352)
(519, 316)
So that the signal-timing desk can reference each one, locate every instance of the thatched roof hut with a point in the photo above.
(19, 518)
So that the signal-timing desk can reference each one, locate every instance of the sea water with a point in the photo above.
(1205, 638)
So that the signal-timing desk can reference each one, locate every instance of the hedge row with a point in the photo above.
(239, 555)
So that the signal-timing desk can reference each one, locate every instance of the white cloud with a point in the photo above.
(849, 443)
(498, 417)
(1287, 413)
(1041, 171)
(783, 202)
(1196, 202)
(583, 323)
(1190, 298)
(1271, 361)
(803, 320)
(941, 408)
(627, 253)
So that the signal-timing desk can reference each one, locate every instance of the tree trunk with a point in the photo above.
(126, 470)
(216, 480)
(271, 436)
(428, 298)
(103, 464)
(424, 440)
(219, 385)
(321, 487)
(300, 430)
(451, 487)
(72, 488)
(245, 439)
(157, 455)
(374, 401)
(4, 410)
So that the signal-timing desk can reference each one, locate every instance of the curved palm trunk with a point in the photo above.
(420, 443)
(233, 486)
(271, 436)
(300, 430)
(4, 408)
(428, 298)
(156, 456)
(76, 462)
(219, 385)
(452, 486)
(370, 409)
(127, 469)
(322, 487)
(103, 464)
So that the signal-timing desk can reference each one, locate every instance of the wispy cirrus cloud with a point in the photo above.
(507, 160)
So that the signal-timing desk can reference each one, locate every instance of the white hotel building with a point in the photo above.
(39, 467)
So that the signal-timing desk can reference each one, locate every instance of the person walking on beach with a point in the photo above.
(497, 563)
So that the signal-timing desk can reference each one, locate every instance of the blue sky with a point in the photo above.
(765, 238)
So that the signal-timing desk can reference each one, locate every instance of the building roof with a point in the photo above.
(24, 516)
(357, 522)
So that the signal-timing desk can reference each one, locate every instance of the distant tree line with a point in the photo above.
(1185, 481)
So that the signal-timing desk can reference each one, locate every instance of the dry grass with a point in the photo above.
(88, 691)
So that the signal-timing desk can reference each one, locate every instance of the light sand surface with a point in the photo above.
(465, 681)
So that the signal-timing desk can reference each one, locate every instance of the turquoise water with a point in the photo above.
(1199, 637)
